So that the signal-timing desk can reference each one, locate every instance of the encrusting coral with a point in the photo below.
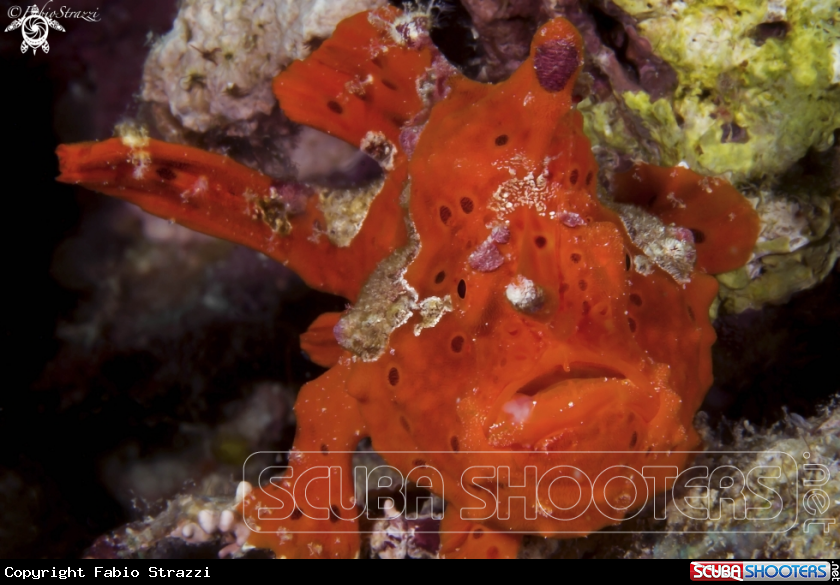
(214, 67)
(758, 85)
(502, 315)
(750, 91)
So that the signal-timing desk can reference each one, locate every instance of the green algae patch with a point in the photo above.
(759, 84)
(758, 93)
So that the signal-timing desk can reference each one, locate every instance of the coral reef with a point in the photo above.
(535, 362)
(800, 235)
(738, 66)
(504, 30)
(193, 524)
(766, 104)
(800, 521)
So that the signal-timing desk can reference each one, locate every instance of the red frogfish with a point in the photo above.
(516, 343)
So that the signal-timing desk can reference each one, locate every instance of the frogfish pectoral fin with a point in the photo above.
(723, 223)
(215, 195)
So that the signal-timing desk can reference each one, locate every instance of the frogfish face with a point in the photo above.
(556, 345)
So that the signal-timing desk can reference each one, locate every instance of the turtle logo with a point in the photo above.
(35, 25)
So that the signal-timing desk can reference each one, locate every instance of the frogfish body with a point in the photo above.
(516, 343)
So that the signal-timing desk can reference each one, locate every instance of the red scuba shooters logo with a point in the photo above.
(762, 570)
(717, 571)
